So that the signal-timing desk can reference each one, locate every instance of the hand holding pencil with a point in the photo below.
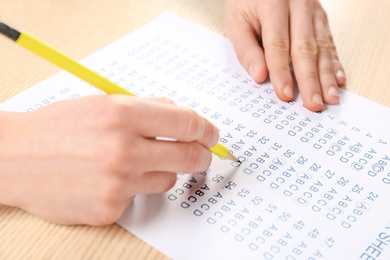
(82, 72)
(82, 161)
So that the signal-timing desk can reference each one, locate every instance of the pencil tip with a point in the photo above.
(231, 157)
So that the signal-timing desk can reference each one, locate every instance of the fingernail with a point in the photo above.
(317, 99)
(287, 91)
(333, 91)
(340, 74)
(167, 100)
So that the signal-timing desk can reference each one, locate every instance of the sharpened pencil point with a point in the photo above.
(233, 158)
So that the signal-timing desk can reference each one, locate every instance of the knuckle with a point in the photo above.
(117, 155)
(192, 123)
(335, 56)
(117, 109)
(327, 70)
(193, 158)
(307, 48)
(106, 210)
(332, 47)
(311, 76)
(209, 138)
(330, 37)
(281, 69)
(114, 106)
(281, 45)
(167, 100)
(336, 64)
(325, 47)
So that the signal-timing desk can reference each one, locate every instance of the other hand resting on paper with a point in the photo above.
(287, 29)
(83, 161)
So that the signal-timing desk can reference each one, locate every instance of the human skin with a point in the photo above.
(83, 161)
(290, 31)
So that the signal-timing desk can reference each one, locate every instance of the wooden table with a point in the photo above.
(79, 28)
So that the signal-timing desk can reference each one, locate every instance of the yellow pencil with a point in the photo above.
(82, 72)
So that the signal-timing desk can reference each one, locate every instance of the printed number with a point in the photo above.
(205, 110)
(271, 208)
(243, 193)
(288, 153)
(194, 104)
(299, 225)
(251, 133)
(217, 178)
(172, 94)
(329, 174)
(230, 185)
(314, 233)
(269, 90)
(216, 115)
(65, 90)
(357, 189)
(227, 121)
(315, 167)
(263, 140)
(152, 83)
(302, 160)
(74, 96)
(256, 201)
(342, 181)
(329, 242)
(239, 127)
(276, 146)
(372, 196)
(183, 99)
(285, 216)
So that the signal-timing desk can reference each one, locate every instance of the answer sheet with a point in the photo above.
(311, 185)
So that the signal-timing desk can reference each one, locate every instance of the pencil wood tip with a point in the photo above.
(233, 158)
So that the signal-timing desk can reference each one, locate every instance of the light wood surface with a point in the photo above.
(79, 28)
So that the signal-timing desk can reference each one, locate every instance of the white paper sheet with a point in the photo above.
(312, 186)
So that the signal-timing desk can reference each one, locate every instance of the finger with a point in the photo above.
(157, 119)
(325, 61)
(155, 182)
(338, 68)
(277, 46)
(304, 54)
(182, 124)
(171, 156)
(243, 33)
